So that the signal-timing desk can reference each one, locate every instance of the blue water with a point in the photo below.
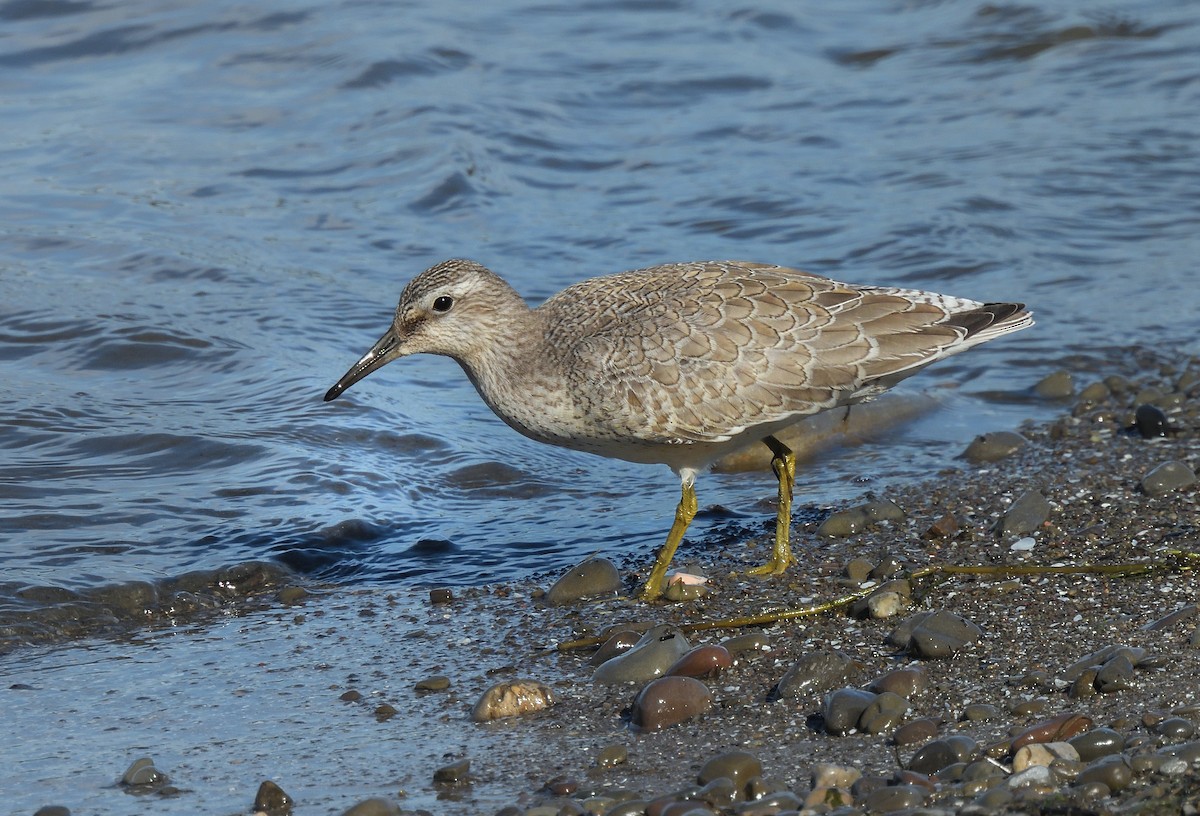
(209, 209)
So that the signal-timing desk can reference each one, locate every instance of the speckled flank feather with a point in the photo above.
(681, 362)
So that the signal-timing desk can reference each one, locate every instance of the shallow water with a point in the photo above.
(209, 211)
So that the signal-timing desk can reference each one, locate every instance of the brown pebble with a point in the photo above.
(906, 682)
(562, 785)
(911, 733)
(945, 527)
(702, 661)
(441, 596)
(351, 696)
(435, 682)
(385, 712)
(668, 701)
(1055, 729)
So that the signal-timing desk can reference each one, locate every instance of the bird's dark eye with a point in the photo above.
(442, 304)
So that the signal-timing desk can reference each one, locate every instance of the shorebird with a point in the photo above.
(682, 363)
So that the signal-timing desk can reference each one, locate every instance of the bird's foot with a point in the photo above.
(776, 566)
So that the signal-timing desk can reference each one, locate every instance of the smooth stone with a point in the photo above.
(1097, 743)
(1101, 656)
(1055, 729)
(739, 767)
(945, 527)
(964, 747)
(654, 653)
(618, 643)
(291, 595)
(435, 682)
(385, 711)
(52, 810)
(843, 708)
(1175, 729)
(678, 591)
(816, 672)
(911, 733)
(272, 800)
(562, 786)
(906, 682)
(1115, 675)
(895, 797)
(702, 661)
(858, 570)
(442, 595)
(884, 713)
(669, 701)
(1025, 515)
(991, 447)
(611, 756)
(589, 579)
(770, 804)
(1057, 385)
(512, 698)
(1113, 771)
(933, 757)
(142, 772)
(844, 523)
(936, 634)
(1150, 421)
(1095, 392)
(881, 510)
(980, 712)
(751, 643)
(376, 806)
(456, 773)
(1167, 477)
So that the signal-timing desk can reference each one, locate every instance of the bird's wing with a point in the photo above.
(702, 352)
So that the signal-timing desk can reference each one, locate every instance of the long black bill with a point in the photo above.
(381, 353)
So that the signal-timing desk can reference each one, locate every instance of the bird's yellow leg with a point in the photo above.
(684, 513)
(784, 464)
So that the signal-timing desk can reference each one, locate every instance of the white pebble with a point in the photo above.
(1023, 544)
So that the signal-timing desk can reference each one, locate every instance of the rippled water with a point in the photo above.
(209, 210)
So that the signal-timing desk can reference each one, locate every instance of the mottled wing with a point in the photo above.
(702, 352)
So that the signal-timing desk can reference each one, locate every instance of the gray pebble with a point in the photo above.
(1167, 477)
(1057, 385)
(654, 653)
(816, 672)
(373, 807)
(935, 634)
(1026, 515)
(592, 578)
(892, 798)
(1115, 675)
(456, 773)
(991, 447)
(1113, 771)
(884, 713)
(844, 523)
(843, 708)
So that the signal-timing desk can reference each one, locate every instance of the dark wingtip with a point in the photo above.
(332, 393)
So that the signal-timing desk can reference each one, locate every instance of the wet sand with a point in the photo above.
(320, 696)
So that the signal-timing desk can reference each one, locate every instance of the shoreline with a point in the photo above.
(301, 695)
